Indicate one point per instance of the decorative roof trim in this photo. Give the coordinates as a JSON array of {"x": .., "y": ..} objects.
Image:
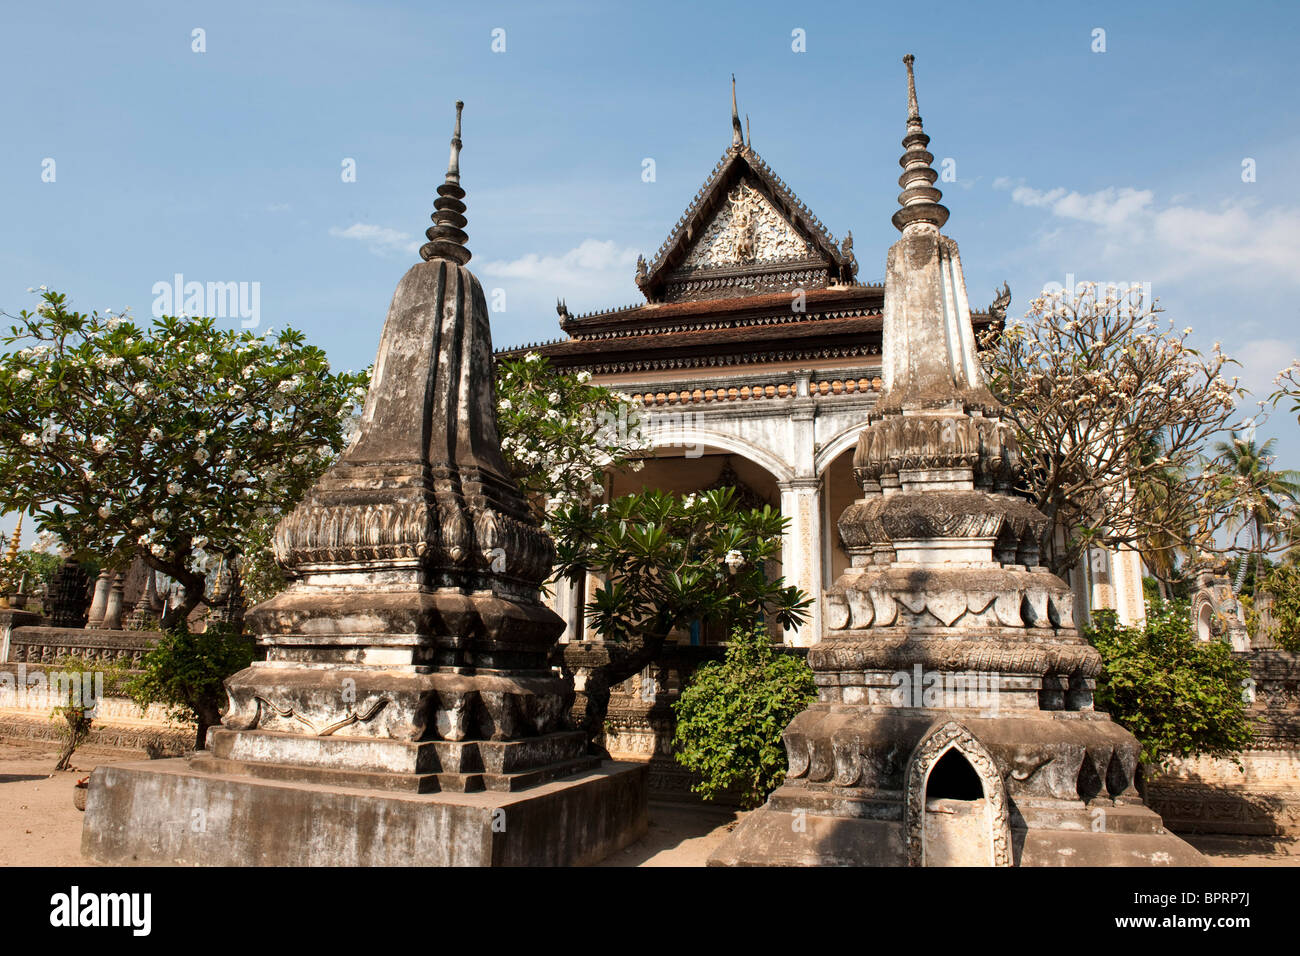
[{"x": 733, "y": 165}]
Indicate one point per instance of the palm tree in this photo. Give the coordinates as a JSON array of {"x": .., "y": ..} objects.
[
  {"x": 1166, "y": 525},
  {"x": 1261, "y": 502}
]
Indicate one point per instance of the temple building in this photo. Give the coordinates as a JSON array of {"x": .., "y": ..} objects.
[{"x": 756, "y": 355}]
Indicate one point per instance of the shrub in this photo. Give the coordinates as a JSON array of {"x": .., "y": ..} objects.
[
  {"x": 186, "y": 672},
  {"x": 731, "y": 716},
  {"x": 77, "y": 686},
  {"x": 1178, "y": 696},
  {"x": 1283, "y": 583}
]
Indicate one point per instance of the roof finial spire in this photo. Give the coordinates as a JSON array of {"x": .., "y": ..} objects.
[
  {"x": 453, "y": 164},
  {"x": 447, "y": 235},
  {"x": 919, "y": 198},
  {"x": 737, "y": 140},
  {"x": 913, "y": 111},
  {"x": 748, "y": 142}
]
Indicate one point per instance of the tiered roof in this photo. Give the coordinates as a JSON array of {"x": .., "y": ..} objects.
[{"x": 747, "y": 275}]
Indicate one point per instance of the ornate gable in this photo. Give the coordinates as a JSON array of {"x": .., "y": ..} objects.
[
  {"x": 745, "y": 233},
  {"x": 747, "y": 228}
]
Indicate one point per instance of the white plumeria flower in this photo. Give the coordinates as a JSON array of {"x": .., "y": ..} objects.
[
  {"x": 105, "y": 511},
  {"x": 173, "y": 488},
  {"x": 24, "y": 375},
  {"x": 31, "y": 440},
  {"x": 201, "y": 456},
  {"x": 155, "y": 434}
]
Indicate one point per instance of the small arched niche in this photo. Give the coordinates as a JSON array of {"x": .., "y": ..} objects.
[
  {"x": 956, "y": 803},
  {"x": 1205, "y": 622}
]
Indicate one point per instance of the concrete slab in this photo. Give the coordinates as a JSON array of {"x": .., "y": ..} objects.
[{"x": 164, "y": 812}]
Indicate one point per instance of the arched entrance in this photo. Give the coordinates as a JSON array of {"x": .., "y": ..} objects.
[
  {"x": 696, "y": 468},
  {"x": 838, "y": 491}
]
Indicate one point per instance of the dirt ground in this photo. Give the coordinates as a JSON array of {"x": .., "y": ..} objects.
[{"x": 39, "y": 826}]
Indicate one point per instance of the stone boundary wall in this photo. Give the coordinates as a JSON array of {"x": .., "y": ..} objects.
[
  {"x": 1262, "y": 796},
  {"x": 118, "y": 725}
]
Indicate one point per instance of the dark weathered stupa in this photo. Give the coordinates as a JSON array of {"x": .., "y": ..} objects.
[
  {"x": 954, "y": 721},
  {"x": 405, "y": 712}
]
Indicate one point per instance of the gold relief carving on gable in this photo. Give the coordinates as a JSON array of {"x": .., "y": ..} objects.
[{"x": 747, "y": 229}]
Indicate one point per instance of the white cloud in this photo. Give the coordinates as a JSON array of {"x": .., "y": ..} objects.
[
  {"x": 1234, "y": 234},
  {"x": 1179, "y": 239},
  {"x": 380, "y": 240},
  {"x": 1106, "y": 207},
  {"x": 592, "y": 262},
  {"x": 1261, "y": 360}
]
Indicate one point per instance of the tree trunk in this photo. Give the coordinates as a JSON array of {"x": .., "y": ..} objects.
[
  {"x": 78, "y": 730},
  {"x": 206, "y": 714},
  {"x": 195, "y": 595},
  {"x": 194, "y": 587}
]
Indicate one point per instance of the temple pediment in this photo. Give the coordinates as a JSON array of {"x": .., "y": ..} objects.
[{"x": 745, "y": 233}]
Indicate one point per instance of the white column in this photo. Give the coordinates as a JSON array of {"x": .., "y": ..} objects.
[
  {"x": 566, "y": 601},
  {"x": 1126, "y": 576},
  {"x": 801, "y": 549},
  {"x": 801, "y": 552}
]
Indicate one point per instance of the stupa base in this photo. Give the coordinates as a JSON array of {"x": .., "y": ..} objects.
[
  {"x": 179, "y": 812},
  {"x": 770, "y": 837},
  {"x": 931, "y": 787}
]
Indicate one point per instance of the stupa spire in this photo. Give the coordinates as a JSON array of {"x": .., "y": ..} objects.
[
  {"x": 447, "y": 235},
  {"x": 16, "y": 541},
  {"x": 920, "y": 198},
  {"x": 737, "y": 137}
]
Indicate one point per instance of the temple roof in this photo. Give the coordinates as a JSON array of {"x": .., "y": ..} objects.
[
  {"x": 747, "y": 275},
  {"x": 744, "y": 223}
]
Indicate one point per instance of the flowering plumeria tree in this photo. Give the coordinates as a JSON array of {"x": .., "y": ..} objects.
[
  {"x": 561, "y": 434},
  {"x": 1288, "y": 389},
  {"x": 169, "y": 441},
  {"x": 1115, "y": 410}
]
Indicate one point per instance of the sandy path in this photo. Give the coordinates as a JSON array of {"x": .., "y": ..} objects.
[{"x": 39, "y": 826}]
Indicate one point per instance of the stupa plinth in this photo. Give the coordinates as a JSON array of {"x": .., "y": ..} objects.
[
  {"x": 954, "y": 723},
  {"x": 405, "y": 712}
]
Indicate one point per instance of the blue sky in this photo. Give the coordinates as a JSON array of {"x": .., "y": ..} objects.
[{"x": 225, "y": 165}]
